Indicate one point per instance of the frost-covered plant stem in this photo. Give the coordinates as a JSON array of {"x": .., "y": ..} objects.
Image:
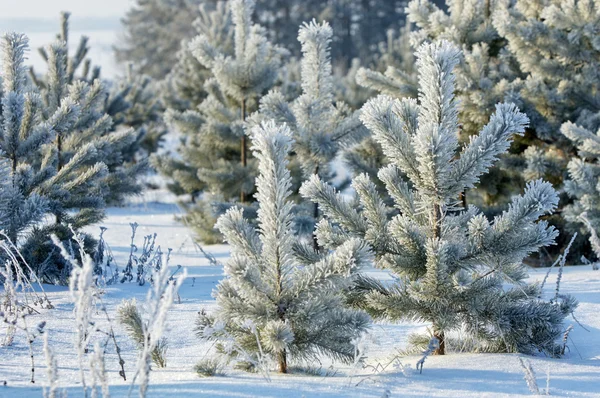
[
  {"x": 111, "y": 336},
  {"x": 82, "y": 288},
  {"x": 158, "y": 300},
  {"x": 51, "y": 370},
  {"x": 98, "y": 370},
  {"x": 529, "y": 376},
  {"x": 561, "y": 267},
  {"x": 432, "y": 348}
]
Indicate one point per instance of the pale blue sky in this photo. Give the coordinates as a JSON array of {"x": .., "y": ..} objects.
[{"x": 50, "y": 8}]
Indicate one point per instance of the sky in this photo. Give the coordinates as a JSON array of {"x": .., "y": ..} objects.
[
  {"x": 50, "y": 8},
  {"x": 97, "y": 19}
]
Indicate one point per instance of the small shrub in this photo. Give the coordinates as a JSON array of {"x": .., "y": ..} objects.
[{"x": 209, "y": 367}]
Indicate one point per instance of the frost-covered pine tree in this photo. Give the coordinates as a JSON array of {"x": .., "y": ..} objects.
[
  {"x": 154, "y": 30},
  {"x": 456, "y": 268},
  {"x": 280, "y": 298},
  {"x": 555, "y": 44},
  {"x": 80, "y": 166},
  {"x": 213, "y": 165},
  {"x": 321, "y": 127},
  {"x": 483, "y": 79},
  {"x": 23, "y": 132},
  {"x": 127, "y": 104},
  {"x": 583, "y": 184},
  {"x": 184, "y": 86},
  {"x": 83, "y": 153}
]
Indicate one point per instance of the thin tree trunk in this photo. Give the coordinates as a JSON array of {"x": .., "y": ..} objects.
[
  {"x": 440, "y": 336},
  {"x": 282, "y": 356},
  {"x": 437, "y": 217},
  {"x": 59, "y": 166},
  {"x": 463, "y": 199},
  {"x": 316, "y": 217},
  {"x": 244, "y": 149},
  {"x": 283, "y": 368},
  {"x": 437, "y": 232}
]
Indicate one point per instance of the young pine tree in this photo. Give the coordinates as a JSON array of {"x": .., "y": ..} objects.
[
  {"x": 83, "y": 165},
  {"x": 22, "y": 134},
  {"x": 184, "y": 85},
  {"x": 555, "y": 44},
  {"x": 154, "y": 30},
  {"x": 584, "y": 182},
  {"x": 116, "y": 111},
  {"x": 321, "y": 127},
  {"x": 214, "y": 150},
  {"x": 456, "y": 268},
  {"x": 280, "y": 297}
]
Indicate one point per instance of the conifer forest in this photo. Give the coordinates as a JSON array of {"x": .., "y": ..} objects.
[{"x": 299, "y": 198}]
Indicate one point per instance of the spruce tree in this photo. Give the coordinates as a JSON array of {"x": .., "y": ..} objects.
[
  {"x": 322, "y": 127},
  {"x": 456, "y": 269},
  {"x": 280, "y": 298},
  {"x": 214, "y": 165},
  {"x": 584, "y": 182}
]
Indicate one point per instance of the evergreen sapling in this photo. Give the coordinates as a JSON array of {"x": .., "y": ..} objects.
[
  {"x": 322, "y": 128},
  {"x": 452, "y": 263},
  {"x": 583, "y": 183},
  {"x": 215, "y": 167},
  {"x": 276, "y": 282}
]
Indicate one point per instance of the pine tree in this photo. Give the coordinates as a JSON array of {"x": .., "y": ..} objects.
[
  {"x": 214, "y": 159},
  {"x": 129, "y": 104},
  {"x": 584, "y": 182},
  {"x": 134, "y": 102},
  {"x": 22, "y": 133},
  {"x": 154, "y": 30},
  {"x": 184, "y": 84},
  {"x": 82, "y": 166},
  {"x": 281, "y": 298},
  {"x": 86, "y": 156},
  {"x": 555, "y": 44},
  {"x": 322, "y": 128},
  {"x": 484, "y": 78},
  {"x": 452, "y": 262}
]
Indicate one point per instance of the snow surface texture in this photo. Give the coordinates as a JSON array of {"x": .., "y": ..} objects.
[{"x": 453, "y": 375}]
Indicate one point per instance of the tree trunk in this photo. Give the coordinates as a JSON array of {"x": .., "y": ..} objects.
[
  {"x": 437, "y": 218},
  {"x": 244, "y": 149},
  {"x": 440, "y": 336},
  {"x": 283, "y": 368},
  {"x": 59, "y": 166},
  {"x": 463, "y": 199},
  {"x": 437, "y": 232},
  {"x": 316, "y": 217}
]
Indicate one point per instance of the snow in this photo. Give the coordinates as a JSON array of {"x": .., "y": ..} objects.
[{"x": 454, "y": 375}]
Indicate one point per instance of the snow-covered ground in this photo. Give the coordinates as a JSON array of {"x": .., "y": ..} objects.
[{"x": 454, "y": 375}]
